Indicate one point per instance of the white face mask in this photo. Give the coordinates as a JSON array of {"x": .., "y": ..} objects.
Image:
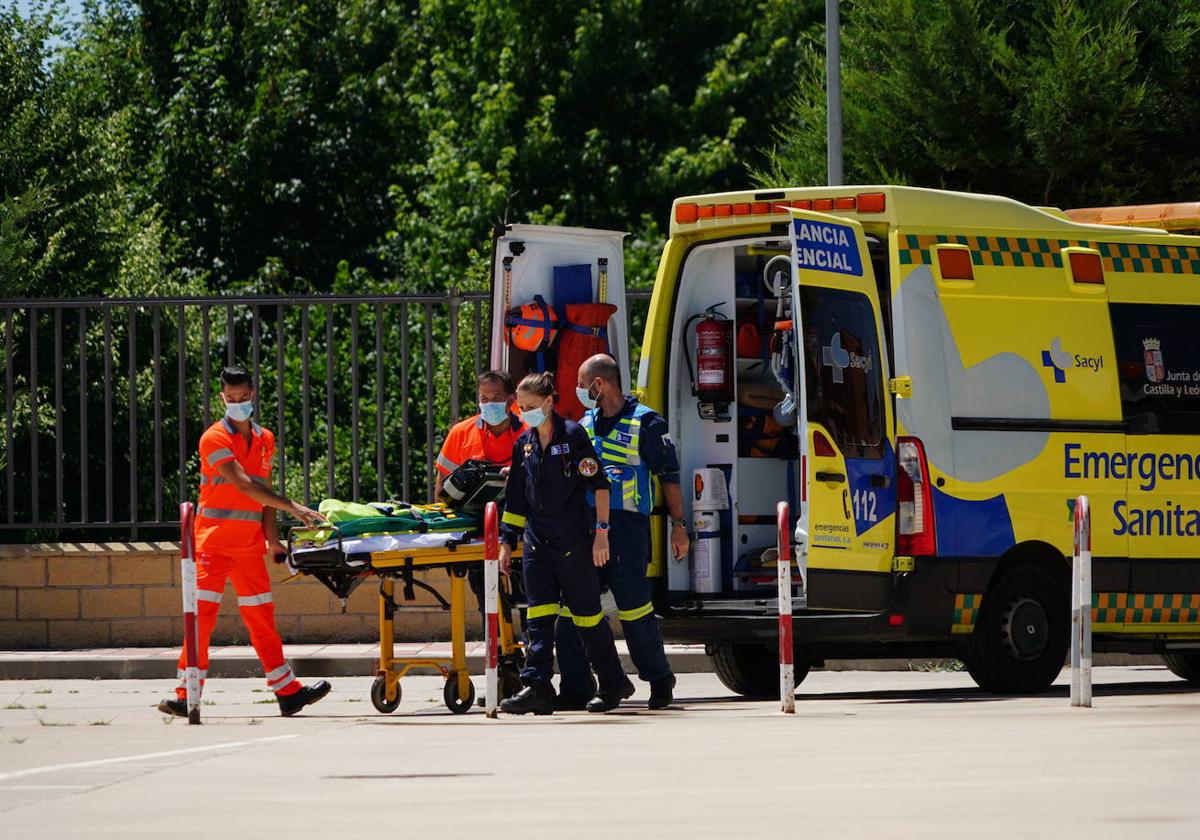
[
  {"x": 585, "y": 397},
  {"x": 239, "y": 410}
]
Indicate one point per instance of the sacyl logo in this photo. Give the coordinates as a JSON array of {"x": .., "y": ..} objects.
[
  {"x": 1061, "y": 361},
  {"x": 838, "y": 358}
]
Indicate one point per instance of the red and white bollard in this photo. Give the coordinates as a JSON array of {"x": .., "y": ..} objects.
[
  {"x": 491, "y": 597},
  {"x": 787, "y": 670},
  {"x": 187, "y": 567},
  {"x": 1081, "y": 606}
]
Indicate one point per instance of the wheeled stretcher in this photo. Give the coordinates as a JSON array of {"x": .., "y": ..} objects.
[{"x": 343, "y": 563}]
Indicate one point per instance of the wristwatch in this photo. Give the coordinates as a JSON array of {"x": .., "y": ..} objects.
[
  {"x": 681, "y": 522},
  {"x": 602, "y": 525}
]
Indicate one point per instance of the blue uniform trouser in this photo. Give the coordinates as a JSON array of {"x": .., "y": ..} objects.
[
  {"x": 629, "y": 555},
  {"x": 556, "y": 575}
]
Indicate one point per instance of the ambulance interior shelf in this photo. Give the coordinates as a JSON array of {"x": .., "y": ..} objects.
[{"x": 733, "y": 541}]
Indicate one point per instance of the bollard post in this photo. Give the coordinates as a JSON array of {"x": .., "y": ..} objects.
[
  {"x": 491, "y": 585},
  {"x": 187, "y": 567},
  {"x": 787, "y": 671},
  {"x": 1081, "y": 606}
]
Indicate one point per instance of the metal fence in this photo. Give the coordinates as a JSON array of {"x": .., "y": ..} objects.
[{"x": 106, "y": 399}]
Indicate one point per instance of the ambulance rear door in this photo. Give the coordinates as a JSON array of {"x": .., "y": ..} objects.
[
  {"x": 850, "y": 453},
  {"x": 562, "y": 266}
]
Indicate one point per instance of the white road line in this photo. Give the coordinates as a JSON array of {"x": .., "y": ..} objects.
[
  {"x": 80, "y": 765},
  {"x": 46, "y": 787}
]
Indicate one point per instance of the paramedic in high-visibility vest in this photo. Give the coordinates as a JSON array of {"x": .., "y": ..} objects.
[
  {"x": 235, "y": 529},
  {"x": 632, "y": 443},
  {"x": 487, "y": 436}
]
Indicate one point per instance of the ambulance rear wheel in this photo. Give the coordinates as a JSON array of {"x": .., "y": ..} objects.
[
  {"x": 1186, "y": 666},
  {"x": 751, "y": 670},
  {"x": 379, "y": 697},
  {"x": 1021, "y": 640},
  {"x": 450, "y": 695}
]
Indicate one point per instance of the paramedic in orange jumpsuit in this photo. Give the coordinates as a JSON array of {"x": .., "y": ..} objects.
[
  {"x": 487, "y": 436},
  {"x": 235, "y": 528}
]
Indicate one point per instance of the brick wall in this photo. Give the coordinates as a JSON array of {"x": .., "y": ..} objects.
[{"x": 83, "y": 595}]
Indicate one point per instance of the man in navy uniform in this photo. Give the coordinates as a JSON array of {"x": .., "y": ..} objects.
[{"x": 632, "y": 443}]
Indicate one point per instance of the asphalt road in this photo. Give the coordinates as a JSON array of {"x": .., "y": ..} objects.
[{"x": 878, "y": 755}]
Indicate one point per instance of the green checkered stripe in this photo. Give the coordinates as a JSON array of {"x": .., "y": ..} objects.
[
  {"x": 1022, "y": 252},
  {"x": 1152, "y": 608},
  {"x": 966, "y": 610}
]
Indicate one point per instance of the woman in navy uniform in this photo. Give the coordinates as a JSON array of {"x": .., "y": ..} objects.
[{"x": 566, "y": 543}]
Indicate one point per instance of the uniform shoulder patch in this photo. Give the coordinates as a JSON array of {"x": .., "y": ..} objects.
[{"x": 588, "y": 467}]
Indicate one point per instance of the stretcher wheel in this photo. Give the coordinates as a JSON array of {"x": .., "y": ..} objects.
[
  {"x": 450, "y": 695},
  {"x": 379, "y": 697},
  {"x": 510, "y": 679}
]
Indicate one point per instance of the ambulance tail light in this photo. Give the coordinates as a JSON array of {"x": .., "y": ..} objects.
[
  {"x": 822, "y": 448},
  {"x": 916, "y": 535}
]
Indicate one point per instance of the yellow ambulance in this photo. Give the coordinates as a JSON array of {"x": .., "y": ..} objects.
[{"x": 969, "y": 366}]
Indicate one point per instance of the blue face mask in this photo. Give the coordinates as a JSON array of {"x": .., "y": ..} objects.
[
  {"x": 534, "y": 417},
  {"x": 493, "y": 413},
  {"x": 239, "y": 411},
  {"x": 585, "y": 397}
]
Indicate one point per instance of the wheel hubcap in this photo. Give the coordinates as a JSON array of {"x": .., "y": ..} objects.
[{"x": 1026, "y": 629}]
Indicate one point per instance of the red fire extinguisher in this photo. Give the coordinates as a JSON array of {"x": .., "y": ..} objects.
[{"x": 712, "y": 378}]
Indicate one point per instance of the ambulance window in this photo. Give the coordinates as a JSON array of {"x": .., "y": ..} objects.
[
  {"x": 1158, "y": 364},
  {"x": 845, "y": 391}
]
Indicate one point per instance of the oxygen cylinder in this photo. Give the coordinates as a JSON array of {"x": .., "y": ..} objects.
[{"x": 710, "y": 496}]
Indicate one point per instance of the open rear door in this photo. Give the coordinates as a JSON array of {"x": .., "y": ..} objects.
[
  {"x": 571, "y": 270},
  {"x": 845, "y": 420}
]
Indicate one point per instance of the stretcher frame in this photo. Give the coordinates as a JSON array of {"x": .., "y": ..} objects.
[{"x": 456, "y": 557}]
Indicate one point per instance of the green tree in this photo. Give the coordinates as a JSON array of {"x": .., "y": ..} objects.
[{"x": 1069, "y": 102}]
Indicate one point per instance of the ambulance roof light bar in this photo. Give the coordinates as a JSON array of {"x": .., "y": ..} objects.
[
  {"x": 687, "y": 213},
  {"x": 1180, "y": 216}
]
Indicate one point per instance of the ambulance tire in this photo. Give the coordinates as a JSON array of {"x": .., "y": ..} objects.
[
  {"x": 751, "y": 670},
  {"x": 378, "y": 698},
  {"x": 1186, "y": 666},
  {"x": 1021, "y": 640}
]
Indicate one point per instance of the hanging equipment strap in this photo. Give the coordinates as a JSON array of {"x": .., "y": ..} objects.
[{"x": 603, "y": 281}]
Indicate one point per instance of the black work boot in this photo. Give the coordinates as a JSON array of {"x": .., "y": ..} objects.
[
  {"x": 535, "y": 697},
  {"x": 606, "y": 701},
  {"x": 662, "y": 692},
  {"x": 306, "y": 696},
  {"x": 173, "y": 706}
]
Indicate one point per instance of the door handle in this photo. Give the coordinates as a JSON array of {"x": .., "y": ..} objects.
[
  {"x": 827, "y": 475},
  {"x": 880, "y": 481}
]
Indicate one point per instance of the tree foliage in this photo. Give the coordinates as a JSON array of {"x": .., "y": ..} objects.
[{"x": 1072, "y": 103}]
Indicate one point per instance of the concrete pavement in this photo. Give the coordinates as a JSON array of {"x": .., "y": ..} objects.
[{"x": 876, "y": 755}]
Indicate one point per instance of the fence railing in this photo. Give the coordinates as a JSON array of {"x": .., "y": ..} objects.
[{"x": 106, "y": 399}]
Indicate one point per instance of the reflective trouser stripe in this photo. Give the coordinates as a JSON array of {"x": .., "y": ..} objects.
[
  {"x": 182, "y": 674},
  {"x": 565, "y": 613},
  {"x": 636, "y": 613},
  {"x": 446, "y": 464},
  {"x": 291, "y": 678},
  {"x": 276, "y": 673},
  {"x": 255, "y": 600},
  {"x": 587, "y": 620},
  {"x": 514, "y": 519},
  {"x": 219, "y": 455},
  {"x": 229, "y": 513},
  {"x": 541, "y": 611},
  {"x": 209, "y": 595}
]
